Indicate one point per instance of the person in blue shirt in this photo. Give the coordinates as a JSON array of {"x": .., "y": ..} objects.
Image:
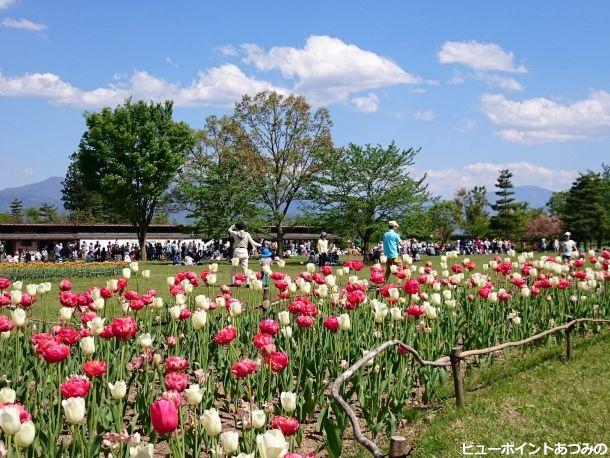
[
  {"x": 266, "y": 260},
  {"x": 391, "y": 244}
]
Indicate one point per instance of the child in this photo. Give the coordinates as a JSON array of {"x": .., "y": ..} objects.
[{"x": 266, "y": 260}]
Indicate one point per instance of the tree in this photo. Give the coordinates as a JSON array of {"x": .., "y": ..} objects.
[
  {"x": 48, "y": 212},
  {"x": 216, "y": 185},
  {"x": 130, "y": 155},
  {"x": 505, "y": 206},
  {"x": 585, "y": 212},
  {"x": 542, "y": 225},
  {"x": 285, "y": 142},
  {"x": 469, "y": 210},
  {"x": 365, "y": 186},
  {"x": 32, "y": 214},
  {"x": 442, "y": 220},
  {"x": 16, "y": 207},
  {"x": 557, "y": 204}
]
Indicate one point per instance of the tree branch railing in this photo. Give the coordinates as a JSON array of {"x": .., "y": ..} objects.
[{"x": 398, "y": 443}]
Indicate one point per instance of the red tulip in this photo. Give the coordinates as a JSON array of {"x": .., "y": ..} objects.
[
  {"x": 176, "y": 364},
  {"x": 304, "y": 321},
  {"x": 225, "y": 335},
  {"x": 5, "y": 323},
  {"x": 164, "y": 416},
  {"x": 411, "y": 286},
  {"x": 176, "y": 381},
  {"x": 277, "y": 361},
  {"x": 415, "y": 311},
  {"x": 262, "y": 340},
  {"x": 271, "y": 327},
  {"x": 242, "y": 368},
  {"x": 55, "y": 352},
  {"x": 75, "y": 387},
  {"x": 124, "y": 328},
  {"x": 331, "y": 323},
  {"x": 288, "y": 426},
  {"x": 95, "y": 368},
  {"x": 69, "y": 336},
  {"x": 65, "y": 285},
  {"x": 4, "y": 283}
]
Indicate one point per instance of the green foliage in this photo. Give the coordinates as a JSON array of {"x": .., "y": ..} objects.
[
  {"x": 365, "y": 186},
  {"x": 469, "y": 210},
  {"x": 586, "y": 208},
  {"x": 216, "y": 184},
  {"x": 48, "y": 213},
  {"x": 16, "y": 209},
  {"x": 442, "y": 220},
  {"x": 32, "y": 215},
  {"x": 130, "y": 156},
  {"x": 505, "y": 221},
  {"x": 285, "y": 143}
]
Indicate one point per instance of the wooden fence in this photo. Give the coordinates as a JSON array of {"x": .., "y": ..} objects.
[{"x": 398, "y": 444}]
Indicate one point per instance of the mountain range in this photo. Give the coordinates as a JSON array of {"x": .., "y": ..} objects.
[{"x": 49, "y": 190}]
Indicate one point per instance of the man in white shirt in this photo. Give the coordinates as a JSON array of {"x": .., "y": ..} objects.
[
  {"x": 322, "y": 249},
  {"x": 241, "y": 240},
  {"x": 568, "y": 247}
]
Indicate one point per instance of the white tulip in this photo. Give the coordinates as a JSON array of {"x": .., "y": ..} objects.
[
  {"x": 127, "y": 273},
  {"x": 142, "y": 451},
  {"x": 113, "y": 284},
  {"x": 134, "y": 266},
  {"x": 220, "y": 302},
  {"x": 235, "y": 308},
  {"x": 9, "y": 420},
  {"x": 96, "y": 325},
  {"x": 31, "y": 289},
  {"x": 157, "y": 302},
  {"x": 211, "y": 279},
  {"x": 16, "y": 296},
  {"x": 87, "y": 345},
  {"x": 229, "y": 441},
  {"x": 18, "y": 285},
  {"x": 181, "y": 299},
  {"x": 211, "y": 422},
  {"x": 213, "y": 267},
  {"x": 259, "y": 418},
  {"x": 199, "y": 319},
  {"x": 146, "y": 273},
  {"x": 194, "y": 394},
  {"x": 174, "y": 311},
  {"x": 235, "y": 262},
  {"x": 19, "y": 318},
  {"x": 145, "y": 340},
  {"x": 99, "y": 304},
  {"x": 396, "y": 314},
  {"x": 118, "y": 390},
  {"x": 74, "y": 410},
  {"x": 7, "y": 395},
  {"x": 170, "y": 281},
  {"x": 286, "y": 331},
  {"x": 345, "y": 324},
  {"x": 65, "y": 313},
  {"x": 26, "y": 434},
  {"x": 289, "y": 401}
]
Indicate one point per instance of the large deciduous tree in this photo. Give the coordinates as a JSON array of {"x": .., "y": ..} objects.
[
  {"x": 365, "y": 186},
  {"x": 285, "y": 141},
  {"x": 216, "y": 184},
  {"x": 130, "y": 155}
]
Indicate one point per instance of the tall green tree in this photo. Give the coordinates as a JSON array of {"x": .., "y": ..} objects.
[
  {"x": 504, "y": 221},
  {"x": 586, "y": 208},
  {"x": 48, "y": 212},
  {"x": 469, "y": 210},
  {"x": 216, "y": 185},
  {"x": 442, "y": 220},
  {"x": 557, "y": 204},
  {"x": 285, "y": 142},
  {"x": 365, "y": 186},
  {"x": 16, "y": 208},
  {"x": 32, "y": 215},
  {"x": 130, "y": 155}
]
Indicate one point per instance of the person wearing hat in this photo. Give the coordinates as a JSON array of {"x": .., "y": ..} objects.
[
  {"x": 568, "y": 246},
  {"x": 391, "y": 244},
  {"x": 241, "y": 241},
  {"x": 322, "y": 249}
]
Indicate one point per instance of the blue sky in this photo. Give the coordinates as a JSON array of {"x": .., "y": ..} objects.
[{"x": 477, "y": 85}]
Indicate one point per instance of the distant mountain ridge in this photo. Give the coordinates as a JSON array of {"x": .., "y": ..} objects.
[
  {"x": 35, "y": 194},
  {"x": 49, "y": 190}
]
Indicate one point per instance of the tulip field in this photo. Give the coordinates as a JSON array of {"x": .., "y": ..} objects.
[{"x": 176, "y": 362}]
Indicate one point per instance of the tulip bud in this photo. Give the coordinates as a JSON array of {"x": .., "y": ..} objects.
[
  {"x": 16, "y": 296},
  {"x": 146, "y": 274},
  {"x": 74, "y": 409},
  {"x": 145, "y": 340},
  {"x": 31, "y": 289},
  {"x": 220, "y": 301},
  {"x": 211, "y": 422},
  {"x": 345, "y": 323},
  {"x": 272, "y": 443},
  {"x": 286, "y": 331},
  {"x": 99, "y": 304},
  {"x": 284, "y": 318},
  {"x": 7, "y": 395},
  {"x": 194, "y": 394},
  {"x": 235, "y": 309},
  {"x": 9, "y": 420},
  {"x": 18, "y": 285},
  {"x": 174, "y": 311},
  {"x": 259, "y": 418},
  {"x": 289, "y": 401},
  {"x": 170, "y": 281},
  {"x": 96, "y": 325},
  {"x": 211, "y": 279},
  {"x": 396, "y": 314},
  {"x": 235, "y": 262},
  {"x": 26, "y": 434},
  {"x": 127, "y": 273},
  {"x": 118, "y": 390},
  {"x": 87, "y": 345}
]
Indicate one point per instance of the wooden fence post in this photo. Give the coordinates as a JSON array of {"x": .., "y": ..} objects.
[
  {"x": 569, "y": 345},
  {"x": 398, "y": 447},
  {"x": 458, "y": 385}
]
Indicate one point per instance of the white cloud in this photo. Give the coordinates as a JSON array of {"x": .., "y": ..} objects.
[
  {"x": 502, "y": 82},
  {"x": 445, "y": 182},
  {"x": 228, "y": 50},
  {"x": 479, "y": 56},
  {"x": 4, "y": 4},
  {"x": 329, "y": 70},
  {"x": 464, "y": 126},
  {"x": 169, "y": 61},
  {"x": 424, "y": 115},
  {"x": 418, "y": 90},
  {"x": 23, "y": 24},
  {"x": 540, "y": 120},
  {"x": 366, "y": 104},
  {"x": 220, "y": 86}
]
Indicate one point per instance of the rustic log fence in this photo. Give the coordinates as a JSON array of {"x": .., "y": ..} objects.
[{"x": 398, "y": 444}]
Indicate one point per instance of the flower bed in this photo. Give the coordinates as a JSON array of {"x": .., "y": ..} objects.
[
  {"x": 49, "y": 270},
  {"x": 200, "y": 367}
]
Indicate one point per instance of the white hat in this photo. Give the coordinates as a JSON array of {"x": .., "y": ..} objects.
[
  {"x": 392, "y": 223},
  {"x": 568, "y": 234}
]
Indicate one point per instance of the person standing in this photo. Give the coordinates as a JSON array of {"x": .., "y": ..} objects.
[
  {"x": 322, "y": 249},
  {"x": 568, "y": 246},
  {"x": 391, "y": 245},
  {"x": 241, "y": 240}
]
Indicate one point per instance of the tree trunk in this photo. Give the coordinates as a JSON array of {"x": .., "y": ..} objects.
[
  {"x": 280, "y": 240},
  {"x": 365, "y": 247},
  {"x": 142, "y": 243}
]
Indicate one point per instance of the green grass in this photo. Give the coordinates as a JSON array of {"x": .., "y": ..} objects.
[{"x": 532, "y": 397}]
